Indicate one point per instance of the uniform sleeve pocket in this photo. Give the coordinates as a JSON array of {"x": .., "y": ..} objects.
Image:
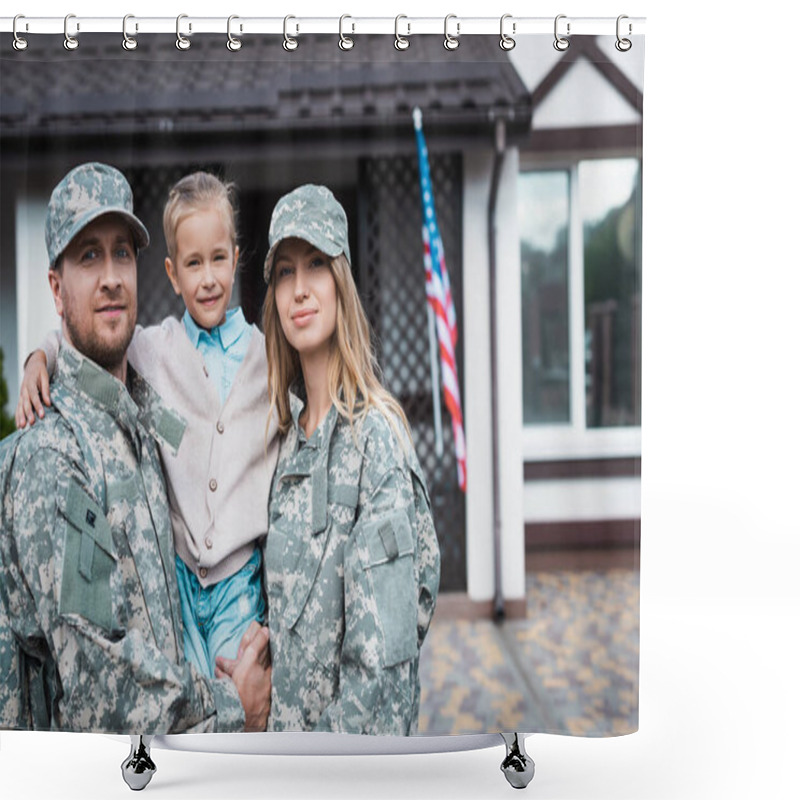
[
  {"x": 389, "y": 559},
  {"x": 88, "y": 560}
]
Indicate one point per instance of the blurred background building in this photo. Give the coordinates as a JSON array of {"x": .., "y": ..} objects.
[{"x": 536, "y": 162}]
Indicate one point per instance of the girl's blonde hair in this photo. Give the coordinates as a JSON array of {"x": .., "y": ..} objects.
[
  {"x": 354, "y": 385},
  {"x": 198, "y": 190}
]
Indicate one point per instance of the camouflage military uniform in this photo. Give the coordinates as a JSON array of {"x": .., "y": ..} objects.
[
  {"x": 350, "y": 590},
  {"x": 91, "y": 597}
]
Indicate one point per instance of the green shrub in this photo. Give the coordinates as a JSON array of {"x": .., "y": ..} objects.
[{"x": 6, "y": 420}]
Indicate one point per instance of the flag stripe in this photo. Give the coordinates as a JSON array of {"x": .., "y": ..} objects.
[{"x": 440, "y": 299}]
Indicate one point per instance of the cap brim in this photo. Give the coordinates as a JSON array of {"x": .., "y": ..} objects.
[
  {"x": 331, "y": 249},
  {"x": 141, "y": 238}
]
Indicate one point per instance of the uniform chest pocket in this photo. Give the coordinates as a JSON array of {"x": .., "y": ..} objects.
[
  {"x": 388, "y": 559},
  {"x": 303, "y": 551},
  {"x": 281, "y": 552},
  {"x": 89, "y": 560}
]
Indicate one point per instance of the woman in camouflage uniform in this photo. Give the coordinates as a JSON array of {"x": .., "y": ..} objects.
[{"x": 351, "y": 576}]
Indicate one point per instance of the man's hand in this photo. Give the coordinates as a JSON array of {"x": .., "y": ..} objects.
[
  {"x": 252, "y": 675},
  {"x": 249, "y": 636},
  {"x": 34, "y": 390}
]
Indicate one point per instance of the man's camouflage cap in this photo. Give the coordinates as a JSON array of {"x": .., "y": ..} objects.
[
  {"x": 84, "y": 194},
  {"x": 311, "y": 213}
]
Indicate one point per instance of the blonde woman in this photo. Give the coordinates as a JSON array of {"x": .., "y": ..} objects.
[{"x": 351, "y": 575}]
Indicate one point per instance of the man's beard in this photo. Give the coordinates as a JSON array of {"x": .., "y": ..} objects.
[{"x": 107, "y": 352}]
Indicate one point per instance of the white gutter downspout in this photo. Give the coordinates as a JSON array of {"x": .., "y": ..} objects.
[{"x": 497, "y": 168}]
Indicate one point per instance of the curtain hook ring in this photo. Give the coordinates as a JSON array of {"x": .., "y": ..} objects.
[
  {"x": 561, "y": 43},
  {"x": 19, "y": 42},
  {"x": 128, "y": 42},
  {"x": 400, "y": 42},
  {"x": 182, "y": 43},
  {"x": 70, "y": 42},
  {"x": 345, "y": 42},
  {"x": 507, "y": 42},
  {"x": 233, "y": 44},
  {"x": 451, "y": 42},
  {"x": 623, "y": 45},
  {"x": 289, "y": 43}
]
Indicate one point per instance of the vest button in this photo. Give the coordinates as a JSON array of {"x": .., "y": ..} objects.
[
  {"x": 220, "y": 427},
  {"x": 212, "y": 484},
  {"x": 209, "y": 543},
  {"x": 203, "y": 572}
]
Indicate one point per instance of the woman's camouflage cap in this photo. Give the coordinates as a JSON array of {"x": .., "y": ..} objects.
[
  {"x": 84, "y": 194},
  {"x": 310, "y": 213}
]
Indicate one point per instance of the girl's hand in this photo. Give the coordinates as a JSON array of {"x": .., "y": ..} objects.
[{"x": 35, "y": 390}]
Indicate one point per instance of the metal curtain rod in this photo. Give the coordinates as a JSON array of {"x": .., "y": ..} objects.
[{"x": 75, "y": 25}]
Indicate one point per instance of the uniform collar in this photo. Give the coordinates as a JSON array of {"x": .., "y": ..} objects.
[
  {"x": 225, "y": 335},
  {"x": 322, "y": 435},
  {"x": 130, "y": 406},
  {"x": 297, "y": 401},
  {"x": 309, "y": 457},
  {"x": 82, "y": 376}
]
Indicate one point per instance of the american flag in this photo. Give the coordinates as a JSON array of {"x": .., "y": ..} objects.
[{"x": 437, "y": 289}]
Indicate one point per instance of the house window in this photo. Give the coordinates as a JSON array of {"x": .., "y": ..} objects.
[
  {"x": 544, "y": 225},
  {"x": 580, "y": 253}
]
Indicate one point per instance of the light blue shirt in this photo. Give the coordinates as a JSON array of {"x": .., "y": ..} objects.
[{"x": 223, "y": 348}]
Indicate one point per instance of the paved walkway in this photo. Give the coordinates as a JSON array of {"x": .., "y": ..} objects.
[{"x": 570, "y": 667}]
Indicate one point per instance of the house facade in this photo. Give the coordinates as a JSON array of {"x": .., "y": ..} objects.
[{"x": 579, "y": 199}]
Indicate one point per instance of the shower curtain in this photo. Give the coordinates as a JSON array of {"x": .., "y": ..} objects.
[{"x": 517, "y": 360}]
